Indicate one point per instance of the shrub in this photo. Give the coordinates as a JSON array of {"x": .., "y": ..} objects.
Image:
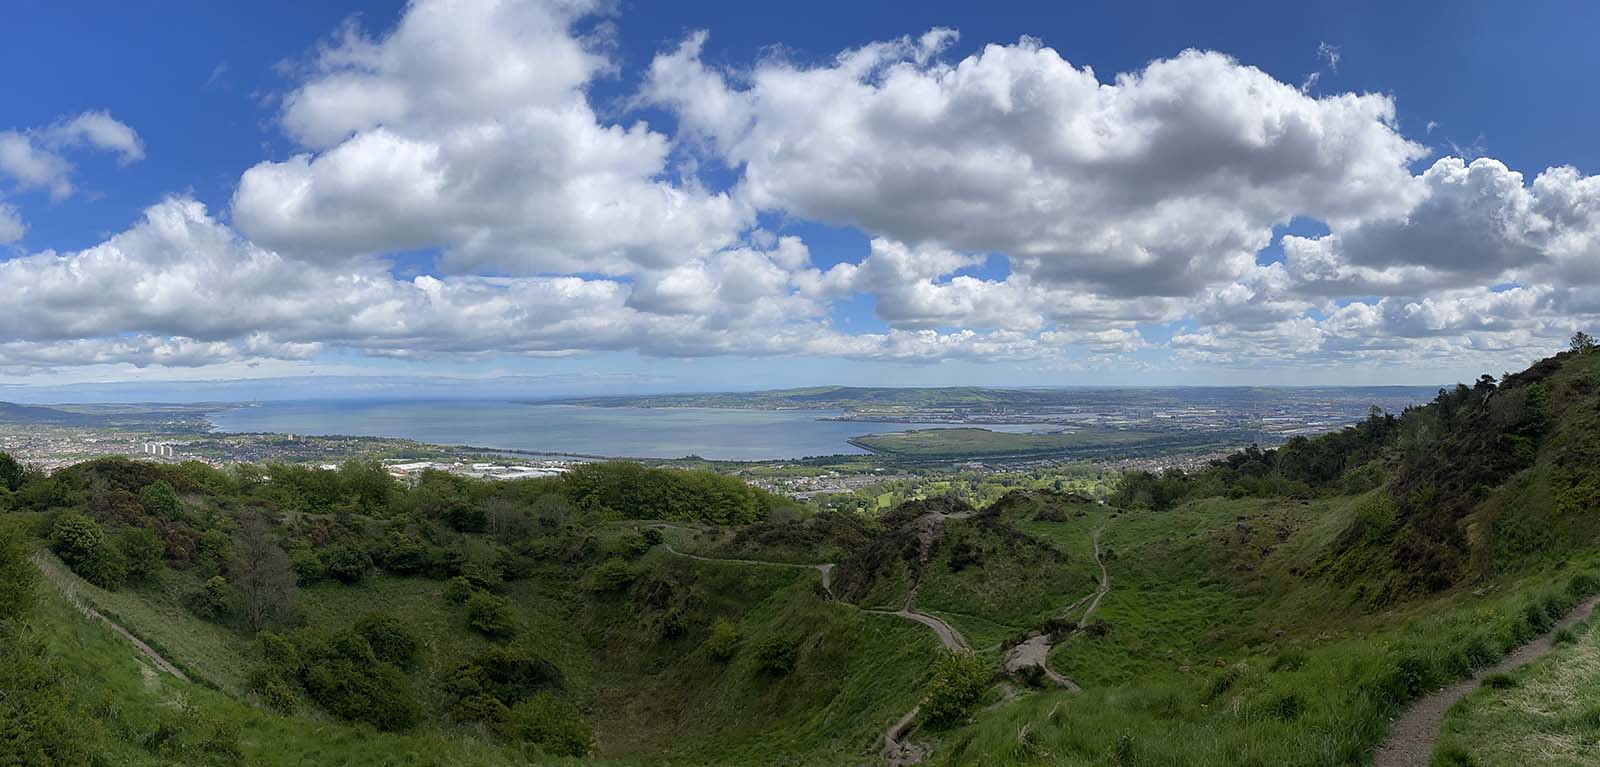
[
  {"x": 724, "y": 640},
  {"x": 632, "y": 546},
  {"x": 777, "y": 655},
  {"x": 490, "y": 615},
  {"x": 19, "y": 579},
  {"x": 404, "y": 555},
  {"x": 307, "y": 566},
  {"x": 673, "y": 624},
  {"x": 612, "y": 575},
  {"x": 160, "y": 500},
  {"x": 142, "y": 550},
  {"x": 959, "y": 679},
  {"x": 274, "y": 691},
  {"x": 391, "y": 641},
  {"x": 458, "y": 589},
  {"x": 213, "y": 601},
  {"x": 11, "y": 473},
  {"x": 550, "y": 723},
  {"x": 346, "y": 564},
  {"x": 80, "y": 543},
  {"x": 377, "y": 694},
  {"x": 652, "y": 536}
]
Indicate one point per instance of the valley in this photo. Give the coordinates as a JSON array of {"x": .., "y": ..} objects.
[{"x": 1279, "y": 607}]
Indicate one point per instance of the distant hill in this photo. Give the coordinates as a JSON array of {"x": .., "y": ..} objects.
[
  {"x": 886, "y": 398},
  {"x": 13, "y": 413}
]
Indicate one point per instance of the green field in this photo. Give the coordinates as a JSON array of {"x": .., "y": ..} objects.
[{"x": 974, "y": 443}]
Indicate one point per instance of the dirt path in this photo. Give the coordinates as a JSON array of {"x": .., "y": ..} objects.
[
  {"x": 63, "y": 583},
  {"x": 1036, "y": 650},
  {"x": 825, "y": 568},
  {"x": 930, "y": 527},
  {"x": 1413, "y": 735},
  {"x": 1105, "y": 583}
]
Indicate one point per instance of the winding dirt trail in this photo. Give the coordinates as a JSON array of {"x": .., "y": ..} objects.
[
  {"x": 930, "y": 527},
  {"x": 826, "y": 568},
  {"x": 1412, "y": 738},
  {"x": 63, "y": 583},
  {"x": 1105, "y": 582},
  {"x": 1036, "y": 650}
]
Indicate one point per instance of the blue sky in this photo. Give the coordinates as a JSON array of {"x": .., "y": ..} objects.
[{"x": 207, "y": 89}]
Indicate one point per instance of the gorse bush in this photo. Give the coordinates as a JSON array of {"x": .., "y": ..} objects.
[
  {"x": 724, "y": 640},
  {"x": 391, "y": 641},
  {"x": 777, "y": 655},
  {"x": 958, "y": 682},
  {"x": 490, "y": 615},
  {"x": 84, "y": 547},
  {"x": 550, "y": 723}
]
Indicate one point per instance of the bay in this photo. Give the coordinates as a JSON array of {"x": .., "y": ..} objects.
[{"x": 633, "y": 432}]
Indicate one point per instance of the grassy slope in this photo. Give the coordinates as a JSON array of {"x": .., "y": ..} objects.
[
  {"x": 661, "y": 700},
  {"x": 1550, "y": 715},
  {"x": 126, "y": 704}
]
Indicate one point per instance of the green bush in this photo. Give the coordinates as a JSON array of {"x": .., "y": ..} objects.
[
  {"x": 391, "y": 641},
  {"x": 142, "y": 550},
  {"x": 346, "y": 564},
  {"x": 80, "y": 543},
  {"x": 959, "y": 679},
  {"x": 307, "y": 566},
  {"x": 19, "y": 580},
  {"x": 551, "y": 724},
  {"x": 490, "y": 615},
  {"x": 458, "y": 589},
  {"x": 11, "y": 473},
  {"x": 160, "y": 500},
  {"x": 724, "y": 640},
  {"x": 612, "y": 575},
  {"x": 214, "y": 600},
  {"x": 777, "y": 656},
  {"x": 377, "y": 694}
]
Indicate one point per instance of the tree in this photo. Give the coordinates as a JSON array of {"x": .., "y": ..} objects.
[
  {"x": 143, "y": 551},
  {"x": 262, "y": 572},
  {"x": 1582, "y": 342},
  {"x": 80, "y": 543},
  {"x": 160, "y": 500},
  {"x": 11, "y": 472}
]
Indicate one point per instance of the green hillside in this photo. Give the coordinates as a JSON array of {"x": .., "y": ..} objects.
[{"x": 1279, "y": 607}]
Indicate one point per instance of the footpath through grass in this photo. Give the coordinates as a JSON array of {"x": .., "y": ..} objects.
[{"x": 1546, "y": 713}]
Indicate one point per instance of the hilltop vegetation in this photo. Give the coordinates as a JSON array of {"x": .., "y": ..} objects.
[{"x": 1278, "y": 607}]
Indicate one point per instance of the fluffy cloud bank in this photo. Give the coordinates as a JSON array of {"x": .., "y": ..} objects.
[{"x": 1018, "y": 206}]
